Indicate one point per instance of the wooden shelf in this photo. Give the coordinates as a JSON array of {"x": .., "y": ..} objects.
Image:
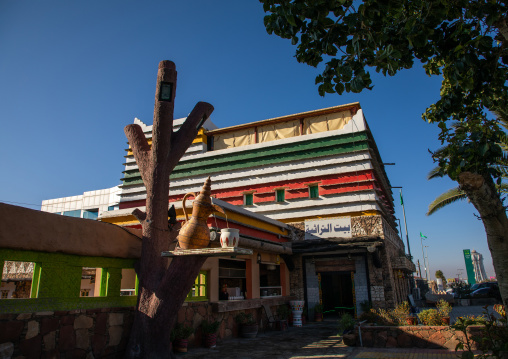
[{"x": 208, "y": 252}]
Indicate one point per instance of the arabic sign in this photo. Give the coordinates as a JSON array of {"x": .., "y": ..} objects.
[
  {"x": 328, "y": 228},
  {"x": 469, "y": 267}
]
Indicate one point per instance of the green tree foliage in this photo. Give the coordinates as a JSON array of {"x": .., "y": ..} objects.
[
  {"x": 460, "y": 40},
  {"x": 463, "y": 41},
  {"x": 439, "y": 274}
]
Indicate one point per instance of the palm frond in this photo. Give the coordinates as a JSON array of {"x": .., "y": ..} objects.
[
  {"x": 503, "y": 141},
  {"x": 503, "y": 188},
  {"x": 434, "y": 173},
  {"x": 444, "y": 199}
]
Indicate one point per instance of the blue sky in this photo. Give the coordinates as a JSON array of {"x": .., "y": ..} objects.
[{"x": 73, "y": 74}]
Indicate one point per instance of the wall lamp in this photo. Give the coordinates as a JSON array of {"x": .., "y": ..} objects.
[{"x": 259, "y": 258}]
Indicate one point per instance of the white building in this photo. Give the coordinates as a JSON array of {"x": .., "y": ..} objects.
[{"x": 89, "y": 205}]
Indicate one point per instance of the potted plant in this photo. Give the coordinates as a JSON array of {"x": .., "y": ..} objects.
[
  {"x": 248, "y": 325},
  {"x": 430, "y": 317},
  {"x": 346, "y": 323},
  {"x": 318, "y": 312},
  {"x": 210, "y": 333},
  {"x": 444, "y": 308},
  {"x": 180, "y": 337},
  {"x": 283, "y": 314},
  {"x": 402, "y": 313}
]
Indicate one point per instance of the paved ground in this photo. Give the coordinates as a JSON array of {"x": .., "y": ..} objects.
[{"x": 314, "y": 341}]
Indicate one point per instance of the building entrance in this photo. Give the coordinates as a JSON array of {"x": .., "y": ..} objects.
[{"x": 337, "y": 292}]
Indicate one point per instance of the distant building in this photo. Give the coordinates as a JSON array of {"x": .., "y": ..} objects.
[
  {"x": 89, "y": 205},
  {"x": 479, "y": 269}
]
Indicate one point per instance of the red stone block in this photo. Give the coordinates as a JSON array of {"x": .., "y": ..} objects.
[
  {"x": 404, "y": 341},
  {"x": 189, "y": 314},
  {"x": 10, "y": 331},
  {"x": 202, "y": 311},
  {"x": 49, "y": 325},
  {"x": 101, "y": 321},
  {"x": 68, "y": 320},
  {"x": 78, "y": 354},
  {"x": 51, "y": 354},
  {"x": 391, "y": 342},
  {"x": 367, "y": 339},
  {"x": 31, "y": 348},
  {"x": 98, "y": 344},
  {"x": 67, "y": 338},
  {"x": 62, "y": 313},
  {"x": 8, "y": 317}
]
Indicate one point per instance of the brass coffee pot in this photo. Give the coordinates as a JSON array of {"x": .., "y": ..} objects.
[{"x": 195, "y": 232}]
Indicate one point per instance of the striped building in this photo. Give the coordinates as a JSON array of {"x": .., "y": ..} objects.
[{"x": 320, "y": 175}]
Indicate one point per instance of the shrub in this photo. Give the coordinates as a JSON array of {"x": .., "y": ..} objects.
[
  {"x": 181, "y": 331},
  {"x": 318, "y": 308},
  {"x": 430, "y": 317},
  {"x": 444, "y": 308},
  {"x": 346, "y": 323},
  {"x": 246, "y": 319},
  {"x": 401, "y": 312},
  {"x": 371, "y": 316},
  {"x": 210, "y": 327}
]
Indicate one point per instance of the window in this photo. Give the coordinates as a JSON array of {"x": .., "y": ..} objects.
[
  {"x": 112, "y": 208},
  {"x": 5, "y": 293},
  {"x": 199, "y": 291},
  {"x": 91, "y": 213},
  {"x": 76, "y": 213},
  {"x": 248, "y": 199},
  {"x": 279, "y": 195},
  {"x": 85, "y": 292},
  {"x": 314, "y": 191}
]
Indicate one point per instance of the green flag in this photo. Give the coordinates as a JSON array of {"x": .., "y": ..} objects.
[
  {"x": 401, "y": 200},
  {"x": 422, "y": 236}
]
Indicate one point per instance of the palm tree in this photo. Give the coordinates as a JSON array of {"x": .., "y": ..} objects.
[{"x": 456, "y": 194}]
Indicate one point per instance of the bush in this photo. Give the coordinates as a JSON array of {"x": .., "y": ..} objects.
[
  {"x": 246, "y": 319},
  {"x": 430, "y": 317},
  {"x": 444, "y": 308},
  {"x": 346, "y": 323},
  {"x": 210, "y": 327},
  {"x": 401, "y": 312},
  {"x": 318, "y": 308},
  {"x": 181, "y": 331}
]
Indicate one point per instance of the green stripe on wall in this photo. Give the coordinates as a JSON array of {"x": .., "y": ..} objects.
[{"x": 261, "y": 157}]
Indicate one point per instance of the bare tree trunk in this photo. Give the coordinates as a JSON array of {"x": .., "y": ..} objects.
[
  {"x": 162, "y": 288},
  {"x": 482, "y": 193}
]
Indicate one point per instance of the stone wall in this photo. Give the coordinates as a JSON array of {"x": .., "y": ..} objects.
[
  {"x": 296, "y": 285},
  {"x": 91, "y": 333},
  {"x": 432, "y": 337},
  {"x": 366, "y": 226}
]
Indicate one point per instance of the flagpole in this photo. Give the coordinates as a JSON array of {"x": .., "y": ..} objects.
[
  {"x": 405, "y": 225},
  {"x": 423, "y": 253}
]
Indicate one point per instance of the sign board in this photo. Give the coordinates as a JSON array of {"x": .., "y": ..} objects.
[
  {"x": 328, "y": 228},
  {"x": 469, "y": 267}
]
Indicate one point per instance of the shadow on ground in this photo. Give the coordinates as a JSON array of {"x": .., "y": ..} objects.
[{"x": 314, "y": 340}]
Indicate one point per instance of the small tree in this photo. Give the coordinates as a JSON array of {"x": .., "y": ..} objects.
[
  {"x": 162, "y": 287},
  {"x": 439, "y": 274}
]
